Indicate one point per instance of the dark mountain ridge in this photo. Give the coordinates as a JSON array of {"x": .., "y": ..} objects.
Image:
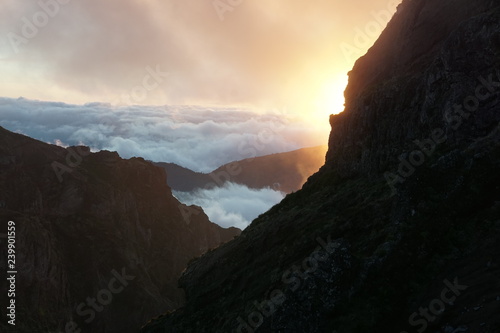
[
  {"x": 93, "y": 226},
  {"x": 399, "y": 230},
  {"x": 286, "y": 172}
]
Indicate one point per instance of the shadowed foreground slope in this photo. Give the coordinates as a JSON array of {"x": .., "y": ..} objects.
[{"x": 399, "y": 231}]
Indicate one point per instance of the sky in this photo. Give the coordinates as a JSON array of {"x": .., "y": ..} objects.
[{"x": 280, "y": 54}]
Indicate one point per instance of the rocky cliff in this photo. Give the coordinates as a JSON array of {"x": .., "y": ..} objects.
[
  {"x": 100, "y": 241},
  {"x": 399, "y": 230}
]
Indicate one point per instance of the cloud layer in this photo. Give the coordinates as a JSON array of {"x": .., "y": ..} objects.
[
  {"x": 199, "y": 138},
  {"x": 233, "y": 204}
]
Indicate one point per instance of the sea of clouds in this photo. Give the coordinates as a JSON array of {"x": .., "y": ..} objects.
[{"x": 198, "y": 138}]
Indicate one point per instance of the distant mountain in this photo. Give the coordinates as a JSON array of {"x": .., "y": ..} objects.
[
  {"x": 286, "y": 172},
  {"x": 399, "y": 231},
  {"x": 99, "y": 240},
  {"x": 184, "y": 179}
]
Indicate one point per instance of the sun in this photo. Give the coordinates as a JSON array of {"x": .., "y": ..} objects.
[
  {"x": 330, "y": 99},
  {"x": 323, "y": 97}
]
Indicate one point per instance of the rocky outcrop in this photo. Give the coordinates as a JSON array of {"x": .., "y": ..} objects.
[
  {"x": 92, "y": 227},
  {"x": 397, "y": 232}
]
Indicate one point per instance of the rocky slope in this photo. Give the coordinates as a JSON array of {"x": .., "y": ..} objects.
[
  {"x": 286, "y": 172},
  {"x": 399, "y": 231},
  {"x": 93, "y": 226}
]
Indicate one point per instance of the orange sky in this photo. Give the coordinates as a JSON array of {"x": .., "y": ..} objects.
[{"x": 281, "y": 54}]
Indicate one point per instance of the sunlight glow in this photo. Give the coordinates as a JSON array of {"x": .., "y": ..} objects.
[{"x": 330, "y": 98}]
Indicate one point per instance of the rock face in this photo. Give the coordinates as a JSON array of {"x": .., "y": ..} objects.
[
  {"x": 430, "y": 57},
  {"x": 286, "y": 172},
  {"x": 94, "y": 226},
  {"x": 399, "y": 230}
]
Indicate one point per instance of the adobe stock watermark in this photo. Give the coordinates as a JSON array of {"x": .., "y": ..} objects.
[
  {"x": 363, "y": 38},
  {"x": 437, "y": 306},
  {"x": 249, "y": 148},
  {"x": 223, "y": 6},
  {"x": 139, "y": 93},
  {"x": 151, "y": 80},
  {"x": 74, "y": 158},
  {"x": 454, "y": 118},
  {"x": 31, "y": 26},
  {"x": 87, "y": 310},
  {"x": 292, "y": 278}
]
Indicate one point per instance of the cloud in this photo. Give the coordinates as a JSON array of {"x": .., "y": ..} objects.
[
  {"x": 233, "y": 204},
  {"x": 198, "y": 138}
]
